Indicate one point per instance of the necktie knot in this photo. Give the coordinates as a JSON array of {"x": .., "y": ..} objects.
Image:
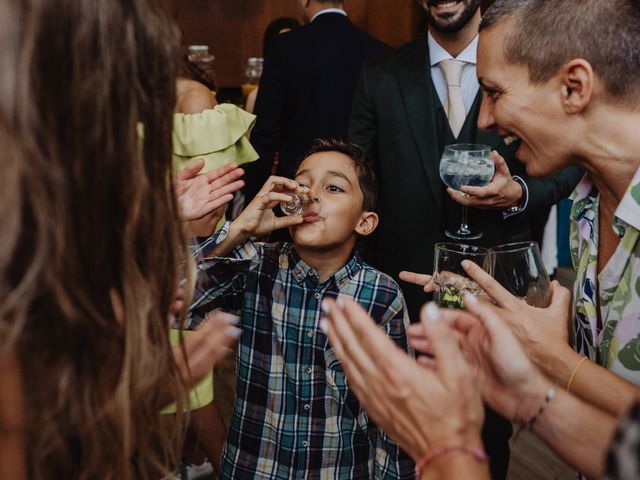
[{"x": 452, "y": 70}]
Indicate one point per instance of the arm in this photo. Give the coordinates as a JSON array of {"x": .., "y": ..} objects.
[
  {"x": 266, "y": 136},
  {"x": 550, "y": 190}
]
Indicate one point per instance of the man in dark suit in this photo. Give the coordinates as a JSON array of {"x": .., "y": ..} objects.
[
  {"x": 406, "y": 110},
  {"x": 307, "y": 88}
]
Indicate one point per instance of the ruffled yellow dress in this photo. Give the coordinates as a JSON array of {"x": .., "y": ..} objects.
[{"x": 220, "y": 137}]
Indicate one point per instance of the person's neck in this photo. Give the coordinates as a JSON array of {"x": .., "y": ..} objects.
[
  {"x": 612, "y": 140},
  {"x": 455, "y": 42},
  {"x": 315, "y": 8},
  {"x": 326, "y": 262}
]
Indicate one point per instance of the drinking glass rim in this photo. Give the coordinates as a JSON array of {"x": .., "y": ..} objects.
[
  {"x": 467, "y": 147},
  {"x": 453, "y": 248},
  {"x": 514, "y": 247}
]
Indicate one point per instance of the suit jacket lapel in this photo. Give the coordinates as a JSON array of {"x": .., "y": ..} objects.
[{"x": 416, "y": 91}]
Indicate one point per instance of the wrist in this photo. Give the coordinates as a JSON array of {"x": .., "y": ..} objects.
[
  {"x": 458, "y": 460},
  {"x": 530, "y": 397}
]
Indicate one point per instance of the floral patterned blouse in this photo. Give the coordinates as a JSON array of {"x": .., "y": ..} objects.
[{"x": 615, "y": 343}]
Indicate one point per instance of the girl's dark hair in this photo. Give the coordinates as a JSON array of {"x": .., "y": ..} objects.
[
  {"x": 364, "y": 171},
  {"x": 192, "y": 71},
  {"x": 89, "y": 225},
  {"x": 273, "y": 30}
]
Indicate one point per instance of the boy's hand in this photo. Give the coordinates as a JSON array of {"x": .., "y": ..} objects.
[{"x": 258, "y": 217}]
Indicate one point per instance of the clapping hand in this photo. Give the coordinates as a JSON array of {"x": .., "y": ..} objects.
[{"x": 200, "y": 194}]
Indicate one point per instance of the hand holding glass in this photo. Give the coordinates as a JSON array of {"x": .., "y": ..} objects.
[{"x": 465, "y": 164}]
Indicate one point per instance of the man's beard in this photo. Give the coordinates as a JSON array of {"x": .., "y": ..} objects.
[{"x": 451, "y": 24}]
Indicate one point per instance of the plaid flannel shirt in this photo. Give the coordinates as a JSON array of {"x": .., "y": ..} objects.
[{"x": 294, "y": 415}]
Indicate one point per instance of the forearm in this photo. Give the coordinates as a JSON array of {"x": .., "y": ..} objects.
[
  {"x": 578, "y": 432},
  {"x": 592, "y": 383}
]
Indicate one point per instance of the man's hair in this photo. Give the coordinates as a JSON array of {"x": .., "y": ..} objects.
[
  {"x": 330, "y": 1},
  {"x": 548, "y": 33},
  {"x": 364, "y": 171}
]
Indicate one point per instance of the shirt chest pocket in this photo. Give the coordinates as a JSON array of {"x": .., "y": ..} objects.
[{"x": 338, "y": 392}]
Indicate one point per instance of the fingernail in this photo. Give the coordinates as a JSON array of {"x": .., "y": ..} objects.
[
  {"x": 470, "y": 298},
  {"x": 432, "y": 312},
  {"x": 340, "y": 303},
  {"x": 324, "y": 306},
  {"x": 465, "y": 264},
  {"x": 233, "y": 332},
  {"x": 324, "y": 326}
]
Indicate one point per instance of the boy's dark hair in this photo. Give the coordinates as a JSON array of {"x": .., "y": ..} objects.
[{"x": 364, "y": 171}]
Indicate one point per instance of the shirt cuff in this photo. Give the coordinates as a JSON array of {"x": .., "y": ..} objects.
[{"x": 522, "y": 204}]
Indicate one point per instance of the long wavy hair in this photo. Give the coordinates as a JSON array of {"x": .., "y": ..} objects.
[{"x": 89, "y": 223}]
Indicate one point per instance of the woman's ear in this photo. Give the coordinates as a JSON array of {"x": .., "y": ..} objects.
[
  {"x": 367, "y": 224},
  {"x": 577, "y": 79}
]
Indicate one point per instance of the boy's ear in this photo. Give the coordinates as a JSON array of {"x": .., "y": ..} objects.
[{"x": 367, "y": 224}]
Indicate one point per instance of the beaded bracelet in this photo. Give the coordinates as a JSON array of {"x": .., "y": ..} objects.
[
  {"x": 475, "y": 452},
  {"x": 550, "y": 394}
]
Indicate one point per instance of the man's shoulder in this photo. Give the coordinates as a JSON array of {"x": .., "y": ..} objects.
[{"x": 391, "y": 60}]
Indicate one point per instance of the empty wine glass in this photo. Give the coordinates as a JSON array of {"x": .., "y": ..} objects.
[
  {"x": 518, "y": 267},
  {"x": 465, "y": 164},
  {"x": 451, "y": 280}
]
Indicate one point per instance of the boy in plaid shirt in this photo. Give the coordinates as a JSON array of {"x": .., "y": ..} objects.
[{"x": 294, "y": 415}]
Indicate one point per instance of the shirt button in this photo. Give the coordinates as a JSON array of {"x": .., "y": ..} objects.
[
  {"x": 307, "y": 407},
  {"x": 309, "y": 370},
  {"x": 311, "y": 334},
  {"x": 318, "y": 295},
  {"x": 305, "y": 444},
  {"x": 299, "y": 277}
]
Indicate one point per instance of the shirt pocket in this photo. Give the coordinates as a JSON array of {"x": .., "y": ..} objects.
[{"x": 338, "y": 390}]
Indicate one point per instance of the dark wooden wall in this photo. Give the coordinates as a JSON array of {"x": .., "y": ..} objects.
[{"x": 234, "y": 28}]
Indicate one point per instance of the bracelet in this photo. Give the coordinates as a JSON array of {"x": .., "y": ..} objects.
[
  {"x": 573, "y": 374},
  {"x": 476, "y": 452},
  {"x": 550, "y": 394}
]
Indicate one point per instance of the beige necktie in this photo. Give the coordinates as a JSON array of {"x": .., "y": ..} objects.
[{"x": 454, "y": 105}]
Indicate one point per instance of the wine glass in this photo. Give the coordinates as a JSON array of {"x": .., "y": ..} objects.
[
  {"x": 518, "y": 267},
  {"x": 465, "y": 164},
  {"x": 450, "y": 279}
]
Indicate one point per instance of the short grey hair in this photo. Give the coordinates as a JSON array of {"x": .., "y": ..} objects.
[{"x": 546, "y": 34}]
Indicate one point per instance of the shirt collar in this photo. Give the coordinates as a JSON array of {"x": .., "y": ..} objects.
[
  {"x": 438, "y": 54},
  {"x": 629, "y": 209},
  {"x": 301, "y": 270},
  {"x": 329, "y": 10}
]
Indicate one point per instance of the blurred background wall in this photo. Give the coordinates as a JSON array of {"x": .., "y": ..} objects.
[{"x": 234, "y": 28}]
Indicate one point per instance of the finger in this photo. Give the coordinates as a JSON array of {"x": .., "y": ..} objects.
[
  {"x": 282, "y": 182},
  {"x": 415, "y": 331},
  {"x": 445, "y": 346},
  {"x": 482, "y": 193},
  {"x": 460, "y": 320},
  {"x": 426, "y": 361},
  {"x": 287, "y": 221},
  {"x": 501, "y": 165},
  {"x": 230, "y": 188},
  {"x": 491, "y": 287},
  {"x": 420, "y": 345},
  {"x": 221, "y": 172},
  {"x": 226, "y": 179},
  {"x": 191, "y": 170},
  {"x": 421, "y": 279},
  {"x": 499, "y": 333}
]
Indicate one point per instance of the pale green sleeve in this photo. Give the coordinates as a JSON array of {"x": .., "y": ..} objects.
[{"x": 219, "y": 136}]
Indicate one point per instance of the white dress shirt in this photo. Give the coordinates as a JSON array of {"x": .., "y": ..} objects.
[
  {"x": 469, "y": 80},
  {"x": 329, "y": 10}
]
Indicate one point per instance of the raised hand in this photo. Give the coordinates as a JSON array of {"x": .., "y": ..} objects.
[
  {"x": 258, "y": 218},
  {"x": 543, "y": 332},
  {"x": 200, "y": 194},
  {"x": 502, "y": 192},
  {"x": 420, "y": 279}
]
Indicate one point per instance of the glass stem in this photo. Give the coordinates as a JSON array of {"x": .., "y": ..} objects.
[{"x": 464, "y": 227}]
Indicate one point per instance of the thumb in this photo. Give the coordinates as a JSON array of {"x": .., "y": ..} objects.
[
  {"x": 445, "y": 346},
  {"x": 191, "y": 170},
  {"x": 501, "y": 165},
  {"x": 285, "y": 222}
]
